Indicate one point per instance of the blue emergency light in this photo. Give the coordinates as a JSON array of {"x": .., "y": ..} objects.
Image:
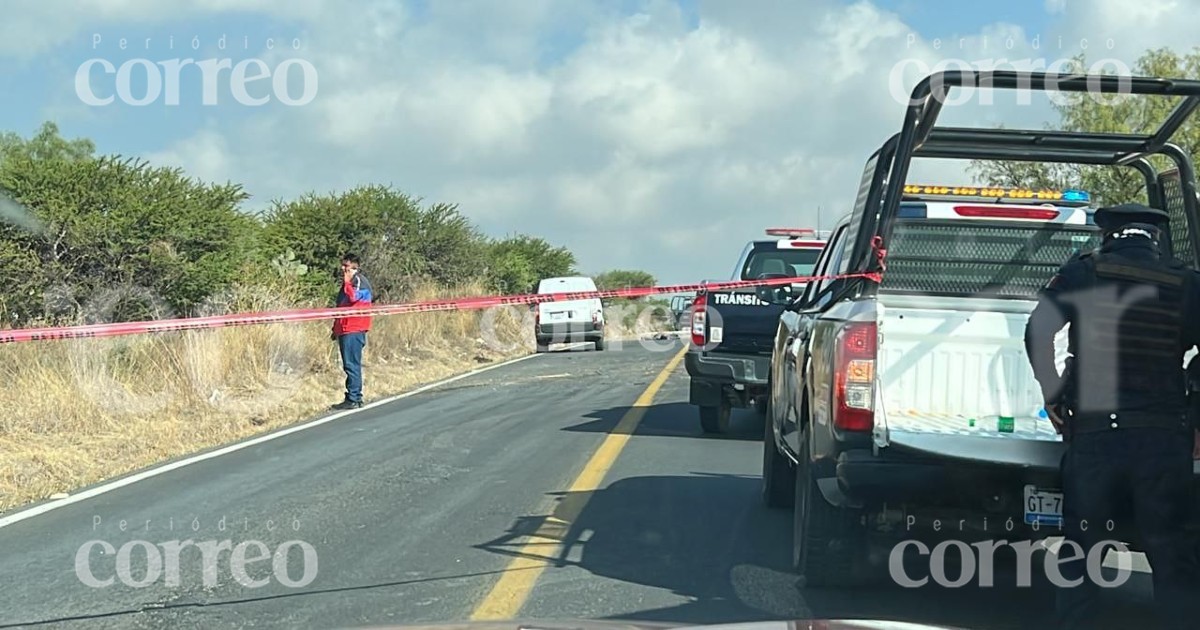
[{"x": 1076, "y": 195}]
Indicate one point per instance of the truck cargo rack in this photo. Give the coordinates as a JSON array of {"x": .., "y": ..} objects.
[{"x": 1173, "y": 190}]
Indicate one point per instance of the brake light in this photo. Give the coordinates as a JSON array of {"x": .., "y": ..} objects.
[
  {"x": 854, "y": 379},
  {"x": 699, "y": 322},
  {"x": 800, "y": 244},
  {"x": 1000, "y": 212}
]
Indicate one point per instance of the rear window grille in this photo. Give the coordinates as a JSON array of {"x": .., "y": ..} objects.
[
  {"x": 972, "y": 259},
  {"x": 1172, "y": 188}
]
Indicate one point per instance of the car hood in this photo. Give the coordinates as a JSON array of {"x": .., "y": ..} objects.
[{"x": 815, "y": 624}]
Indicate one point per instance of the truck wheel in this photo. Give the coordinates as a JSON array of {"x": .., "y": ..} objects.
[
  {"x": 599, "y": 343},
  {"x": 715, "y": 419},
  {"x": 543, "y": 346},
  {"x": 778, "y": 475},
  {"x": 829, "y": 543}
]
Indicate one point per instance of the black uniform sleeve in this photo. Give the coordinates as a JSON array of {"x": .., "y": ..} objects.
[
  {"x": 1191, "y": 320},
  {"x": 1052, "y": 312}
]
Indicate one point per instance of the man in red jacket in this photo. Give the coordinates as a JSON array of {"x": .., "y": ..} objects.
[{"x": 351, "y": 332}]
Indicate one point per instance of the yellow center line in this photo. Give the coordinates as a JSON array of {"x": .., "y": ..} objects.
[{"x": 505, "y": 599}]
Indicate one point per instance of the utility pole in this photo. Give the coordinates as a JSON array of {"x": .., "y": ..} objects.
[{"x": 818, "y": 220}]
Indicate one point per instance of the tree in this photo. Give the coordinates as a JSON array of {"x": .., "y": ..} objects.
[
  {"x": 518, "y": 263},
  {"x": 399, "y": 241},
  {"x": 623, "y": 279},
  {"x": 81, "y": 230},
  {"x": 116, "y": 235},
  {"x": 1110, "y": 113},
  {"x": 46, "y": 145},
  {"x": 108, "y": 233}
]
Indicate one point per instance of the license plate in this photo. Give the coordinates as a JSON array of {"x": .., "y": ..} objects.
[
  {"x": 559, "y": 316},
  {"x": 1043, "y": 506}
]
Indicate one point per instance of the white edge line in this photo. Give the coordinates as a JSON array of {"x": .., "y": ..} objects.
[{"x": 152, "y": 472}]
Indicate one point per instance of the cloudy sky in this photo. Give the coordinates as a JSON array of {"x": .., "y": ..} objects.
[{"x": 651, "y": 134}]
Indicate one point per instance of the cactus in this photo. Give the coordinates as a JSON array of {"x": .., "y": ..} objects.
[{"x": 286, "y": 265}]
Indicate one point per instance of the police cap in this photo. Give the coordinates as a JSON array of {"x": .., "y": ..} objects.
[{"x": 1113, "y": 217}]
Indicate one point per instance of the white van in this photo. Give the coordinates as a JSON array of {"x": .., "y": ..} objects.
[{"x": 568, "y": 321}]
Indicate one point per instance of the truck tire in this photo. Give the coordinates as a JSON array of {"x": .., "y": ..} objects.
[
  {"x": 542, "y": 346},
  {"x": 599, "y": 343},
  {"x": 715, "y": 419},
  {"x": 778, "y": 475},
  {"x": 829, "y": 543}
]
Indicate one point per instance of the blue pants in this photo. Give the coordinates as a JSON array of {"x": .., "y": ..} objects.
[
  {"x": 351, "y": 347},
  {"x": 1132, "y": 477}
]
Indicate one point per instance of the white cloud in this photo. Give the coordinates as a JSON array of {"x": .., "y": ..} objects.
[
  {"x": 639, "y": 141},
  {"x": 1130, "y": 27},
  {"x": 663, "y": 93},
  {"x": 207, "y": 156}
]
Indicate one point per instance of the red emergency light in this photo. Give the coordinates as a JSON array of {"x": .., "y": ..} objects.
[
  {"x": 802, "y": 244},
  {"x": 1002, "y": 212}
]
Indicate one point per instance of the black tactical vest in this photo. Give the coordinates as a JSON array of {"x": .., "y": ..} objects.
[{"x": 1130, "y": 332}]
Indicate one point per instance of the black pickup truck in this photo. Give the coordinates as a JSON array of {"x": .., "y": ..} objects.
[{"x": 732, "y": 331}]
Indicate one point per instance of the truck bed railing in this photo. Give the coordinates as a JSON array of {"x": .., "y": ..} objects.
[{"x": 921, "y": 137}]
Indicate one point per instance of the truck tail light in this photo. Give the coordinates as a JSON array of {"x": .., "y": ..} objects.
[
  {"x": 699, "y": 322},
  {"x": 854, "y": 379},
  {"x": 596, "y": 318}
]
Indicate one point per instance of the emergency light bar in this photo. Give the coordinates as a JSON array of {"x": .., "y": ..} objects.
[
  {"x": 949, "y": 210},
  {"x": 1070, "y": 195},
  {"x": 792, "y": 232}
]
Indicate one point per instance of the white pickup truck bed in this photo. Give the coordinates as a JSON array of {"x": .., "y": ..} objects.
[
  {"x": 961, "y": 359},
  {"x": 944, "y": 362},
  {"x": 949, "y": 369}
]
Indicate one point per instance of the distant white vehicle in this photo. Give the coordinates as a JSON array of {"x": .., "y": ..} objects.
[{"x": 568, "y": 321}]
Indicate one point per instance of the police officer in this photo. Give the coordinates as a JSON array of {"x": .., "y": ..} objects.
[{"x": 1122, "y": 406}]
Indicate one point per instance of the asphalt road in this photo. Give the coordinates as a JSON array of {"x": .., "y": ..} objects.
[{"x": 417, "y": 509}]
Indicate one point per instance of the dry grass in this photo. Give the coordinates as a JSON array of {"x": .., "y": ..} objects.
[{"x": 78, "y": 412}]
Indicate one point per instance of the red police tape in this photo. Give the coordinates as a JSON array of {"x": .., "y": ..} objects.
[{"x": 307, "y": 315}]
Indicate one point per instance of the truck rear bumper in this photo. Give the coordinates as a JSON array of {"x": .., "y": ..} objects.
[
  {"x": 954, "y": 495},
  {"x": 714, "y": 377},
  {"x": 900, "y": 478},
  {"x": 569, "y": 331},
  {"x": 747, "y": 369}
]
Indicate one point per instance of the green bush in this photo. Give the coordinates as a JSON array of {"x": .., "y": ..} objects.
[
  {"x": 104, "y": 234},
  {"x": 115, "y": 239},
  {"x": 400, "y": 242},
  {"x": 518, "y": 263}
]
